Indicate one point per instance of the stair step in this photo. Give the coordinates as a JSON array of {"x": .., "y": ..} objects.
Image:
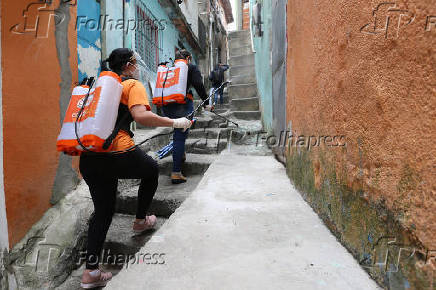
[
  {"x": 239, "y": 41},
  {"x": 202, "y": 146},
  {"x": 167, "y": 199},
  {"x": 225, "y": 105},
  {"x": 221, "y": 110},
  {"x": 122, "y": 240},
  {"x": 226, "y": 100},
  {"x": 246, "y": 70},
  {"x": 195, "y": 164},
  {"x": 242, "y": 50},
  {"x": 247, "y": 115},
  {"x": 245, "y": 104},
  {"x": 243, "y": 79},
  {"x": 153, "y": 144},
  {"x": 243, "y": 91},
  {"x": 207, "y": 121},
  {"x": 237, "y": 34},
  {"x": 242, "y": 60},
  {"x": 209, "y": 133}
]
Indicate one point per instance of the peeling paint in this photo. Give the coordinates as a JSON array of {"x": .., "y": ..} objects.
[
  {"x": 89, "y": 57},
  {"x": 89, "y": 41}
]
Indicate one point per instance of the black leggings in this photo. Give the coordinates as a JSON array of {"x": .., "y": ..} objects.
[{"x": 101, "y": 173}]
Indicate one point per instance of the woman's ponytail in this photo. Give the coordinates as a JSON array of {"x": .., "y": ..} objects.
[{"x": 104, "y": 65}]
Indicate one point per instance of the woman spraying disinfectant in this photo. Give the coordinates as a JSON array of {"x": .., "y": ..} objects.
[{"x": 101, "y": 171}]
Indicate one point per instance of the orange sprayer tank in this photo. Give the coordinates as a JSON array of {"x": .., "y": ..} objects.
[
  {"x": 175, "y": 79},
  {"x": 98, "y": 118}
]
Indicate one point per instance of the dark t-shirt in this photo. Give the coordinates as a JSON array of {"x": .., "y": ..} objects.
[
  {"x": 217, "y": 75},
  {"x": 195, "y": 80}
]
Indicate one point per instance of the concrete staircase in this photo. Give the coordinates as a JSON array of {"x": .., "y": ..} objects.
[{"x": 243, "y": 90}]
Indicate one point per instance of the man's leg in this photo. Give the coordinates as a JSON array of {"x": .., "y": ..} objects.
[
  {"x": 221, "y": 96},
  {"x": 179, "y": 140},
  {"x": 216, "y": 96}
]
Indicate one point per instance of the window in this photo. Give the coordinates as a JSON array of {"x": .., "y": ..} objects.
[{"x": 148, "y": 36}]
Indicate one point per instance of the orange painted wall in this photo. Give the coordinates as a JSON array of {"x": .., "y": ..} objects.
[
  {"x": 31, "y": 77},
  {"x": 378, "y": 91}
]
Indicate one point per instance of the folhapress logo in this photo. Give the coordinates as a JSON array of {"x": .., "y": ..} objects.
[
  {"x": 38, "y": 17},
  {"x": 43, "y": 257},
  {"x": 388, "y": 20}
]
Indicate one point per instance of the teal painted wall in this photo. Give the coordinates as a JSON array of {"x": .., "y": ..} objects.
[
  {"x": 88, "y": 38},
  {"x": 262, "y": 46}
]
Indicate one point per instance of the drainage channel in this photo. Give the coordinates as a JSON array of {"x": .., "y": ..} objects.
[{"x": 120, "y": 240}]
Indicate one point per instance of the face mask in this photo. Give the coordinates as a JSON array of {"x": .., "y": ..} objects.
[
  {"x": 134, "y": 71},
  {"x": 140, "y": 67}
]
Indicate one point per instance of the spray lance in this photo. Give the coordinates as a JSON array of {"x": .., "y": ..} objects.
[{"x": 169, "y": 148}]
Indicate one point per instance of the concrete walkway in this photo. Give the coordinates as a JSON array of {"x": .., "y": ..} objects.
[{"x": 244, "y": 227}]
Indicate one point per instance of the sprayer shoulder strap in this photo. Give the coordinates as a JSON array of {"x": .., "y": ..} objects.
[
  {"x": 163, "y": 85},
  {"x": 123, "y": 123}
]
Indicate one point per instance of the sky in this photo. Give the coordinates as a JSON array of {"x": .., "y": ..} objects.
[{"x": 232, "y": 26}]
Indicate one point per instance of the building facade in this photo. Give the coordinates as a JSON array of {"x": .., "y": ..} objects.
[{"x": 214, "y": 18}]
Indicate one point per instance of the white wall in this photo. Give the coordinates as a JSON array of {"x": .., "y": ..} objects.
[
  {"x": 190, "y": 10},
  {"x": 234, "y": 25},
  {"x": 4, "y": 243}
]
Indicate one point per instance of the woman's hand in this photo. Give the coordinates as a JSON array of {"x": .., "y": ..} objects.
[{"x": 182, "y": 123}]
